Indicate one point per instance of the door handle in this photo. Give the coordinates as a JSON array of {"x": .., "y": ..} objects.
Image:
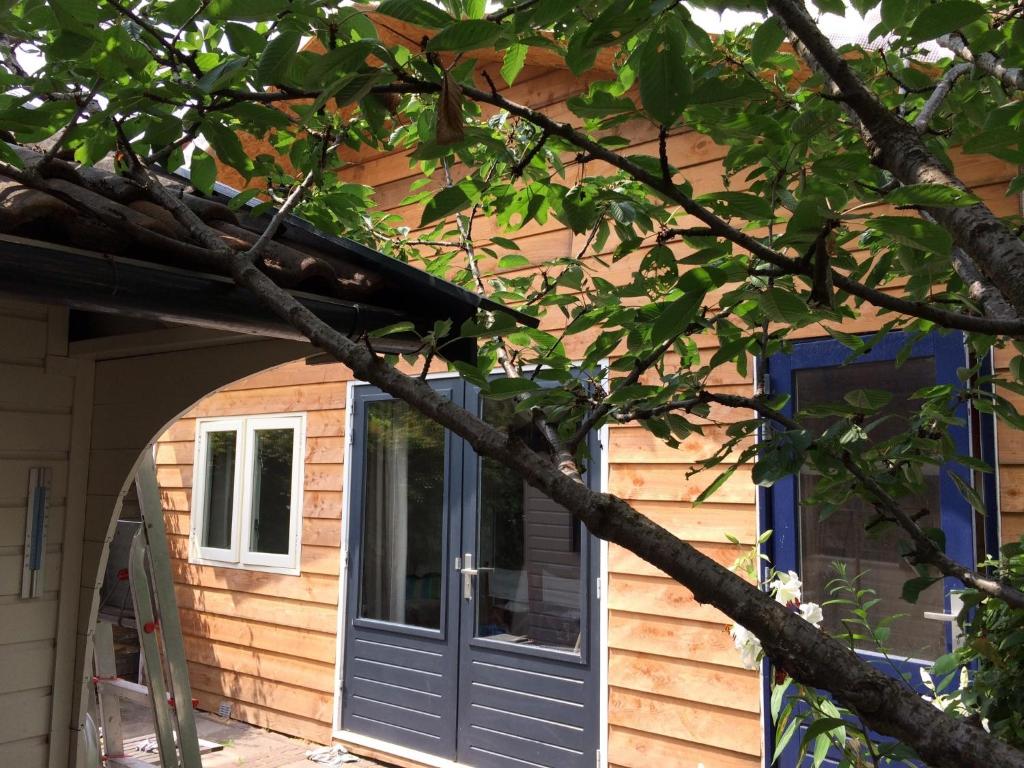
[
  {"x": 464, "y": 565},
  {"x": 956, "y": 604}
]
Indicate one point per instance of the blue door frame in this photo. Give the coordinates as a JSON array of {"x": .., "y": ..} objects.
[
  {"x": 450, "y": 692},
  {"x": 779, "y": 504}
]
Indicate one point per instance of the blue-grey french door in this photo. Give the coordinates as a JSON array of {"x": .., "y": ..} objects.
[
  {"x": 817, "y": 372},
  {"x": 471, "y": 620}
]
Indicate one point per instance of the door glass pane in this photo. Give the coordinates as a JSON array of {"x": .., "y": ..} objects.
[
  {"x": 529, "y": 554},
  {"x": 219, "y": 493},
  {"x": 273, "y": 452},
  {"x": 403, "y": 516},
  {"x": 842, "y": 537}
]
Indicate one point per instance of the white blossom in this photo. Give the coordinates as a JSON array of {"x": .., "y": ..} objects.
[
  {"x": 812, "y": 612},
  {"x": 748, "y": 645},
  {"x": 950, "y": 702},
  {"x": 787, "y": 587}
]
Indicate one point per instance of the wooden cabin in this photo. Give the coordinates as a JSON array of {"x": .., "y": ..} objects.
[
  {"x": 548, "y": 648},
  {"x": 101, "y": 350}
]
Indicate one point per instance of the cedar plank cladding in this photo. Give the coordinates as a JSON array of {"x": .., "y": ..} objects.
[
  {"x": 677, "y": 695},
  {"x": 36, "y": 402},
  {"x": 265, "y": 642}
]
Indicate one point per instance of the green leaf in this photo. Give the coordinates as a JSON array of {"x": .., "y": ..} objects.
[
  {"x": 81, "y": 10},
  {"x": 783, "y": 306},
  {"x": 782, "y": 739},
  {"x": 512, "y": 64},
  {"x": 779, "y": 696},
  {"x": 501, "y": 389},
  {"x": 766, "y": 41},
  {"x": 504, "y": 242},
  {"x": 465, "y": 36},
  {"x": 499, "y": 324},
  {"x": 821, "y": 727},
  {"x": 347, "y": 89},
  {"x": 391, "y": 330},
  {"x": 916, "y": 233},
  {"x": 245, "y": 10},
  {"x": 580, "y": 55},
  {"x": 999, "y": 138},
  {"x": 239, "y": 201},
  {"x": 664, "y": 74},
  {"x": 940, "y": 18},
  {"x": 416, "y": 12},
  {"x": 202, "y": 171},
  {"x": 838, "y": 7},
  {"x": 931, "y": 196},
  {"x": 944, "y": 665},
  {"x": 894, "y": 12},
  {"x": 869, "y": 400},
  {"x": 8, "y": 155},
  {"x": 675, "y": 318},
  {"x": 971, "y": 496},
  {"x": 227, "y": 147},
  {"x": 446, "y": 202},
  {"x": 222, "y": 74},
  {"x": 277, "y": 57},
  {"x": 513, "y": 261},
  {"x": 913, "y": 588},
  {"x": 718, "y": 483},
  {"x": 599, "y": 104}
]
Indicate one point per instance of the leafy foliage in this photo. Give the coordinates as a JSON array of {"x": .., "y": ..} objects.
[{"x": 678, "y": 279}]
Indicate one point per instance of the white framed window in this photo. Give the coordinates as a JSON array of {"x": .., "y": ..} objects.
[{"x": 247, "y": 492}]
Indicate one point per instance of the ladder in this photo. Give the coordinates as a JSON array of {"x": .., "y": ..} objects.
[{"x": 163, "y": 650}]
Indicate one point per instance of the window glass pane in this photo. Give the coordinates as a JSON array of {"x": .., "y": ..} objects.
[
  {"x": 841, "y": 537},
  {"x": 219, "y": 492},
  {"x": 529, "y": 555},
  {"x": 272, "y": 490},
  {"x": 403, "y": 516}
]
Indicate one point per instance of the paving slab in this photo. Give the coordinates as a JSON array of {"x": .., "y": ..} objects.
[{"x": 244, "y": 745}]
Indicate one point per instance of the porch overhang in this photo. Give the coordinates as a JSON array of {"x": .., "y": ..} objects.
[{"x": 117, "y": 285}]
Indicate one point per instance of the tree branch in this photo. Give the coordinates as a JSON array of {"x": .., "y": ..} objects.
[
  {"x": 926, "y": 550},
  {"x": 1011, "y": 78},
  {"x": 811, "y": 656},
  {"x": 174, "y": 55},
  {"x": 640, "y": 367},
  {"x": 282, "y": 213},
  {"x": 897, "y": 147},
  {"x": 83, "y": 107},
  {"x": 931, "y": 106},
  {"x": 721, "y": 228},
  {"x": 671, "y": 233},
  {"x": 511, "y": 10},
  {"x": 716, "y": 227}
]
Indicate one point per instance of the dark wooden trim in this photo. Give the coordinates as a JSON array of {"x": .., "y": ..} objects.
[{"x": 117, "y": 285}]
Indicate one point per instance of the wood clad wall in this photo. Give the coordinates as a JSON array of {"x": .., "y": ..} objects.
[
  {"x": 35, "y": 431},
  {"x": 265, "y": 642},
  {"x": 677, "y": 694},
  {"x": 1010, "y": 447}
]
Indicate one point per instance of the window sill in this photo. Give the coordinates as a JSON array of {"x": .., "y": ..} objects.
[{"x": 277, "y": 569}]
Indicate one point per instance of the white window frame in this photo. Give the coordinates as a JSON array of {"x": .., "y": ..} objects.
[{"x": 239, "y": 556}]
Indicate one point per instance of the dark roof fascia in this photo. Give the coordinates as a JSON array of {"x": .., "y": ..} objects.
[{"x": 118, "y": 285}]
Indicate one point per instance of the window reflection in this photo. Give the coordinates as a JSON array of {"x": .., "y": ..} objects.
[
  {"x": 272, "y": 491},
  {"x": 219, "y": 493},
  {"x": 403, "y": 516},
  {"x": 842, "y": 537},
  {"x": 529, "y": 554}
]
